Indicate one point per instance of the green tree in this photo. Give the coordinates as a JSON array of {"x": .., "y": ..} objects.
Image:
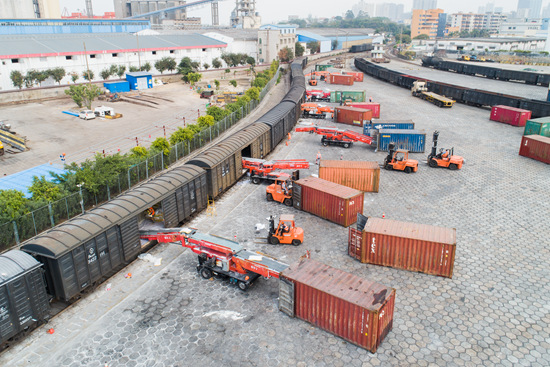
[
  {"x": 181, "y": 135},
  {"x": 160, "y": 65},
  {"x": 113, "y": 69},
  {"x": 313, "y": 46},
  {"x": 161, "y": 144},
  {"x": 216, "y": 63},
  {"x": 405, "y": 38},
  {"x": 17, "y": 79},
  {"x": 57, "y": 74},
  {"x": 139, "y": 152},
  {"x": 250, "y": 61},
  {"x": 133, "y": 69},
  {"x": 121, "y": 70},
  {"x": 260, "y": 82},
  {"x": 88, "y": 75},
  {"x": 233, "y": 82},
  {"x": 74, "y": 77},
  {"x": 105, "y": 74},
  {"x": 12, "y": 204},
  {"x": 146, "y": 67},
  {"x": 349, "y": 15},
  {"x": 422, "y": 36},
  {"x": 42, "y": 189},
  {"x": 216, "y": 112},
  {"x": 253, "y": 93},
  {"x": 206, "y": 66},
  {"x": 299, "y": 49},
  {"x": 205, "y": 121},
  {"x": 41, "y": 76},
  {"x": 195, "y": 65},
  {"x": 286, "y": 54},
  {"x": 333, "y": 44},
  {"x": 84, "y": 94},
  {"x": 193, "y": 78},
  {"x": 217, "y": 84},
  {"x": 185, "y": 67}
]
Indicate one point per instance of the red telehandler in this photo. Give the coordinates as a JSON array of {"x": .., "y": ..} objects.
[
  {"x": 260, "y": 169},
  {"x": 334, "y": 136}
]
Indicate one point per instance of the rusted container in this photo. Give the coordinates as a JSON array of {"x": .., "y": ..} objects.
[
  {"x": 536, "y": 147},
  {"x": 352, "y": 116},
  {"x": 341, "y": 79},
  {"x": 374, "y": 107},
  {"x": 363, "y": 176},
  {"x": 353, "y": 308},
  {"x": 328, "y": 200},
  {"x": 357, "y": 77},
  {"x": 510, "y": 115},
  {"x": 409, "y": 246}
]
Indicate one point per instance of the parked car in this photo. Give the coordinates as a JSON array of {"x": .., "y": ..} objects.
[{"x": 86, "y": 114}]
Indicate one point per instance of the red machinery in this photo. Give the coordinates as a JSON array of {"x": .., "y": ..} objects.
[
  {"x": 260, "y": 169},
  {"x": 318, "y": 95},
  {"x": 334, "y": 136},
  {"x": 220, "y": 257},
  {"x": 314, "y": 110}
]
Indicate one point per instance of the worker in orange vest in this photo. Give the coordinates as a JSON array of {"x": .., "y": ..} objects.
[{"x": 318, "y": 158}]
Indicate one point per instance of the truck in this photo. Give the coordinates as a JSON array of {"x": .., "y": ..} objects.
[{"x": 420, "y": 89}]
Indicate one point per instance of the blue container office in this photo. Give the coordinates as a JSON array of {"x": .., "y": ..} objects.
[
  {"x": 117, "y": 87},
  {"x": 412, "y": 140},
  {"x": 140, "y": 80},
  {"x": 369, "y": 129}
]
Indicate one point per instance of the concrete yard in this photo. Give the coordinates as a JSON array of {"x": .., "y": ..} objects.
[
  {"x": 512, "y": 88},
  {"x": 495, "y": 311}
]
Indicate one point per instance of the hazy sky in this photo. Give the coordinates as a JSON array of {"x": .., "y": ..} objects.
[{"x": 274, "y": 10}]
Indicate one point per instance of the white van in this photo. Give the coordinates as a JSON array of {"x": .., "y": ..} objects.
[{"x": 87, "y": 115}]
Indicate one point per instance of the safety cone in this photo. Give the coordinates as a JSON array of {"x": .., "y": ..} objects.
[
  {"x": 383, "y": 215},
  {"x": 51, "y": 331},
  {"x": 287, "y": 143}
]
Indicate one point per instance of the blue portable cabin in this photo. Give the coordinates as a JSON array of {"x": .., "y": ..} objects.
[
  {"x": 412, "y": 140},
  {"x": 370, "y": 129},
  {"x": 117, "y": 87},
  {"x": 140, "y": 80}
]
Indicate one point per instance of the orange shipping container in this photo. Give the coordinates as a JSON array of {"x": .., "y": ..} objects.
[
  {"x": 364, "y": 176},
  {"x": 358, "y": 77},
  {"x": 341, "y": 79},
  {"x": 409, "y": 246},
  {"x": 536, "y": 147},
  {"x": 352, "y": 115},
  {"x": 353, "y": 308},
  {"x": 328, "y": 200}
]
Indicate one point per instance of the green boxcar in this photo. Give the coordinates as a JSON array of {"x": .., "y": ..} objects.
[
  {"x": 353, "y": 95},
  {"x": 540, "y": 126},
  {"x": 322, "y": 67}
]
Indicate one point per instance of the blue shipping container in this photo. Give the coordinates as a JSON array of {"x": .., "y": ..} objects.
[
  {"x": 412, "y": 140},
  {"x": 140, "y": 80},
  {"x": 368, "y": 129},
  {"x": 114, "y": 87}
]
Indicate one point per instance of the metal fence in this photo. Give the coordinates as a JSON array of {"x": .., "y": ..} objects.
[{"x": 47, "y": 217}]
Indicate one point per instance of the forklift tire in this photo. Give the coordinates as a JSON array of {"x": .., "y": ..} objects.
[
  {"x": 325, "y": 143},
  {"x": 288, "y": 202},
  {"x": 256, "y": 180},
  {"x": 206, "y": 273},
  {"x": 242, "y": 285},
  {"x": 346, "y": 145},
  {"x": 453, "y": 167},
  {"x": 269, "y": 197},
  {"x": 389, "y": 167},
  {"x": 296, "y": 242},
  {"x": 408, "y": 170},
  {"x": 274, "y": 240},
  {"x": 432, "y": 163}
]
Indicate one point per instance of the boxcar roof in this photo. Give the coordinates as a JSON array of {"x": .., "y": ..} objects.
[{"x": 14, "y": 263}]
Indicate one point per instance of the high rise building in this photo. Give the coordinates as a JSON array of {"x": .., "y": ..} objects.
[
  {"x": 546, "y": 11},
  {"x": 424, "y": 4},
  {"x": 529, "y": 9},
  {"x": 390, "y": 10},
  {"x": 425, "y": 22},
  {"x": 364, "y": 8}
]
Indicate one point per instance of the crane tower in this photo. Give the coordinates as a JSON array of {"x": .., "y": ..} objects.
[{"x": 244, "y": 15}]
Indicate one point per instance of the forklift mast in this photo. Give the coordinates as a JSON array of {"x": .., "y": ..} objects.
[{"x": 434, "y": 146}]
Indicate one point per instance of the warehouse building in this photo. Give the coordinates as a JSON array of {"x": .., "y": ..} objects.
[
  {"x": 100, "y": 51},
  {"x": 71, "y": 26}
]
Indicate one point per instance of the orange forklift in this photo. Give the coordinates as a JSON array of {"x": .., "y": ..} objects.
[
  {"x": 312, "y": 79},
  {"x": 286, "y": 232},
  {"x": 445, "y": 157},
  {"x": 399, "y": 160},
  {"x": 281, "y": 190}
]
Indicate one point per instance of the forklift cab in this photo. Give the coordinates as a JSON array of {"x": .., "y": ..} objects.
[{"x": 285, "y": 232}]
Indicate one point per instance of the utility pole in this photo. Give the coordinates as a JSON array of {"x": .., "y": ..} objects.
[
  {"x": 139, "y": 56},
  {"x": 87, "y": 66}
]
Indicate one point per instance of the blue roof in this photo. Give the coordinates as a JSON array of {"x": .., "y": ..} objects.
[
  {"x": 312, "y": 35},
  {"x": 22, "y": 180},
  {"x": 137, "y": 74}
]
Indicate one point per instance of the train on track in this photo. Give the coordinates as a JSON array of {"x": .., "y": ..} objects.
[
  {"x": 82, "y": 252},
  {"x": 474, "y": 97},
  {"x": 488, "y": 72}
]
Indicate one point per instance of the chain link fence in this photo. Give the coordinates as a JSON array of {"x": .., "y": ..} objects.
[{"x": 55, "y": 213}]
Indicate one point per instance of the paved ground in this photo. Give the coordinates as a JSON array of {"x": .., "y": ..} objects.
[
  {"x": 494, "y": 312},
  {"x": 497, "y": 86}
]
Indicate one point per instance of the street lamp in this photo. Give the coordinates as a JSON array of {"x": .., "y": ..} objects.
[{"x": 81, "y": 197}]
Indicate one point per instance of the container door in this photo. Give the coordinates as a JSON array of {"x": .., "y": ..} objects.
[
  {"x": 92, "y": 260},
  {"x": 170, "y": 211},
  {"x": 7, "y": 316},
  {"x": 81, "y": 267},
  {"x": 142, "y": 83},
  {"x": 355, "y": 241},
  {"x": 297, "y": 196},
  {"x": 179, "y": 204},
  {"x": 186, "y": 201},
  {"x": 20, "y": 298},
  {"x": 103, "y": 251},
  {"x": 200, "y": 190},
  {"x": 361, "y": 222},
  {"x": 131, "y": 245},
  {"x": 286, "y": 297},
  {"x": 114, "y": 246}
]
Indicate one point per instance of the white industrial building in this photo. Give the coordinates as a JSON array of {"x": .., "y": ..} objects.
[
  {"x": 482, "y": 44},
  {"x": 17, "y": 9},
  {"x": 43, "y": 52},
  {"x": 273, "y": 38}
]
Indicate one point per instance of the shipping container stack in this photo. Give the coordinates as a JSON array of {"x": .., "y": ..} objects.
[
  {"x": 535, "y": 142},
  {"x": 510, "y": 115},
  {"x": 363, "y": 176},
  {"x": 352, "y": 116}
]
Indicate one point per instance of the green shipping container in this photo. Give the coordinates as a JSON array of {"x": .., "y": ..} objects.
[
  {"x": 540, "y": 126},
  {"x": 354, "y": 95},
  {"x": 322, "y": 67}
]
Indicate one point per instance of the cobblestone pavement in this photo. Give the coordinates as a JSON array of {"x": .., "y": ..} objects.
[
  {"x": 497, "y": 86},
  {"x": 495, "y": 311}
]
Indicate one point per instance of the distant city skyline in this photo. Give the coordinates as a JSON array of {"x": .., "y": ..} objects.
[{"x": 271, "y": 11}]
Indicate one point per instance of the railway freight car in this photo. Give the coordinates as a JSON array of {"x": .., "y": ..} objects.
[{"x": 85, "y": 250}]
